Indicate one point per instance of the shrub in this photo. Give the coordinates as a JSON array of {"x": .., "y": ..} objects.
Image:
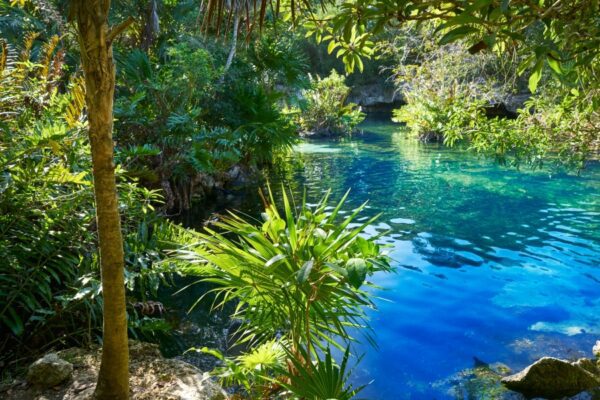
[
  {"x": 192, "y": 120},
  {"x": 444, "y": 86},
  {"x": 447, "y": 91},
  {"x": 324, "y": 110},
  {"x": 297, "y": 276},
  {"x": 556, "y": 127}
]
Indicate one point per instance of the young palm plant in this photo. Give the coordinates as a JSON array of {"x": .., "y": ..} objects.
[
  {"x": 323, "y": 379},
  {"x": 297, "y": 275}
]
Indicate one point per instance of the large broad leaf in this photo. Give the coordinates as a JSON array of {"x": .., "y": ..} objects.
[
  {"x": 536, "y": 75},
  {"x": 554, "y": 63},
  {"x": 357, "y": 271}
]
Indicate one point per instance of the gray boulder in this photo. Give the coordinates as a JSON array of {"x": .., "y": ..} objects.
[
  {"x": 49, "y": 371},
  {"x": 552, "y": 378}
]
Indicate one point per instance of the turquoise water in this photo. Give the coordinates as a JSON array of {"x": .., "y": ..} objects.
[{"x": 493, "y": 264}]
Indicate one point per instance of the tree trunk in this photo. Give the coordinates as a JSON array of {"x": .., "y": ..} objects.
[
  {"x": 95, "y": 40},
  {"x": 236, "y": 27}
]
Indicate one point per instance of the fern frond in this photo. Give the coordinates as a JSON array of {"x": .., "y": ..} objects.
[
  {"x": 57, "y": 65},
  {"x": 77, "y": 103},
  {"x": 3, "y": 56},
  {"x": 47, "y": 57},
  {"x": 27, "y": 45}
]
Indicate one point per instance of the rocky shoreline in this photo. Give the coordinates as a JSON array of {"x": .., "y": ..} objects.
[{"x": 71, "y": 375}]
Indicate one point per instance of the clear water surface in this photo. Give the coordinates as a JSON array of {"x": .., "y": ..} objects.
[{"x": 493, "y": 264}]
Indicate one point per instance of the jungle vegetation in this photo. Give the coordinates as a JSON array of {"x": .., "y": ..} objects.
[{"x": 112, "y": 116}]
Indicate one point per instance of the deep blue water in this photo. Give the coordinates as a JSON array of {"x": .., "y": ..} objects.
[{"x": 492, "y": 263}]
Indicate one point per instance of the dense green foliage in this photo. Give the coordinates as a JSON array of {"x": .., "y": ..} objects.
[
  {"x": 555, "y": 39},
  {"x": 50, "y": 289},
  {"x": 324, "y": 109},
  {"x": 168, "y": 108},
  {"x": 450, "y": 95},
  {"x": 444, "y": 87},
  {"x": 563, "y": 130},
  {"x": 568, "y": 42},
  {"x": 180, "y": 113}
]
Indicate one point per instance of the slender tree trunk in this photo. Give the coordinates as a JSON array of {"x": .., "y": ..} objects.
[
  {"x": 152, "y": 26},
  {"x": 95, "y": 38},
  {"x": 236, "y": 26}
]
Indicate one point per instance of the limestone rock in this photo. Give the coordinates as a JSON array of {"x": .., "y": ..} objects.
[
  {"x": 553, "y": 378},
  {"x": 192, "y": 384},
  {"x": 596, "y": 349},
  {"x": 376, "y": 94},
  {"x": 588, "y": 365},
  {"x": 49, "y": 371}
]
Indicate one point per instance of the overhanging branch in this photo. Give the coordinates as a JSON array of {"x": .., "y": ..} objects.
[{"x": 118, "y": 29}]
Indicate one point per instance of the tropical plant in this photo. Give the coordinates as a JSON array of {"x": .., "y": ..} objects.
[
  {"x": 299, "y": 272},
  {"x": 279, "y": 60},
  {"x": 297, "y": 275},
  {"x": 323, "y": 379},
  {"x": 325, "y": 110},
  {"x": 264, "y": 130},
  {"x": 449, "y": 92},
  {"x": 162, "y": 108},
  {"x": 254, "y": 370}
]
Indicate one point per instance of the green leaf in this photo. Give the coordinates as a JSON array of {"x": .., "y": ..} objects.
[
  {"x": 304, "y": 272},
  {"x": 525, "y": 64},
  {"x": 213, "y": 352},
  {"x": 331, "y": 47},
  {"x": 554, "y": 64},
  {"x": 535, "y": 76},
  {"x": 273, "y": 260},
  {"x": 357, "y": 271},
  {"x": 359, "y": 63},
  {"x": 457, "y": 33}
]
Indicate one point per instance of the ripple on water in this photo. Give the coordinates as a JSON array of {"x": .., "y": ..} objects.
[{"x": 493, "y": 263}]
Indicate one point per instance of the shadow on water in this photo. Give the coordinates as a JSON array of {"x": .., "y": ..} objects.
[{"x": 493, "y": 263}]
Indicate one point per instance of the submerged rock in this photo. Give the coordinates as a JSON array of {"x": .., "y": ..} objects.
[
  {"x": 49, "y": 371},
  {"x": 553, "y": 378},
  {"x": 482, "y": 382}
]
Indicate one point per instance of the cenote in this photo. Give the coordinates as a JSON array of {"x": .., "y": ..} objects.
[{"x": 493, "y": 265}]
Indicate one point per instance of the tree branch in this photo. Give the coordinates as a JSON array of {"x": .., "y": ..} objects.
[{"x": 118, "y": 29}]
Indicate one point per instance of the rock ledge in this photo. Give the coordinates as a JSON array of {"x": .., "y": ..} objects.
[
  {"x": 552, "y": 378},
  {"x": 152, "y": 377}
]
